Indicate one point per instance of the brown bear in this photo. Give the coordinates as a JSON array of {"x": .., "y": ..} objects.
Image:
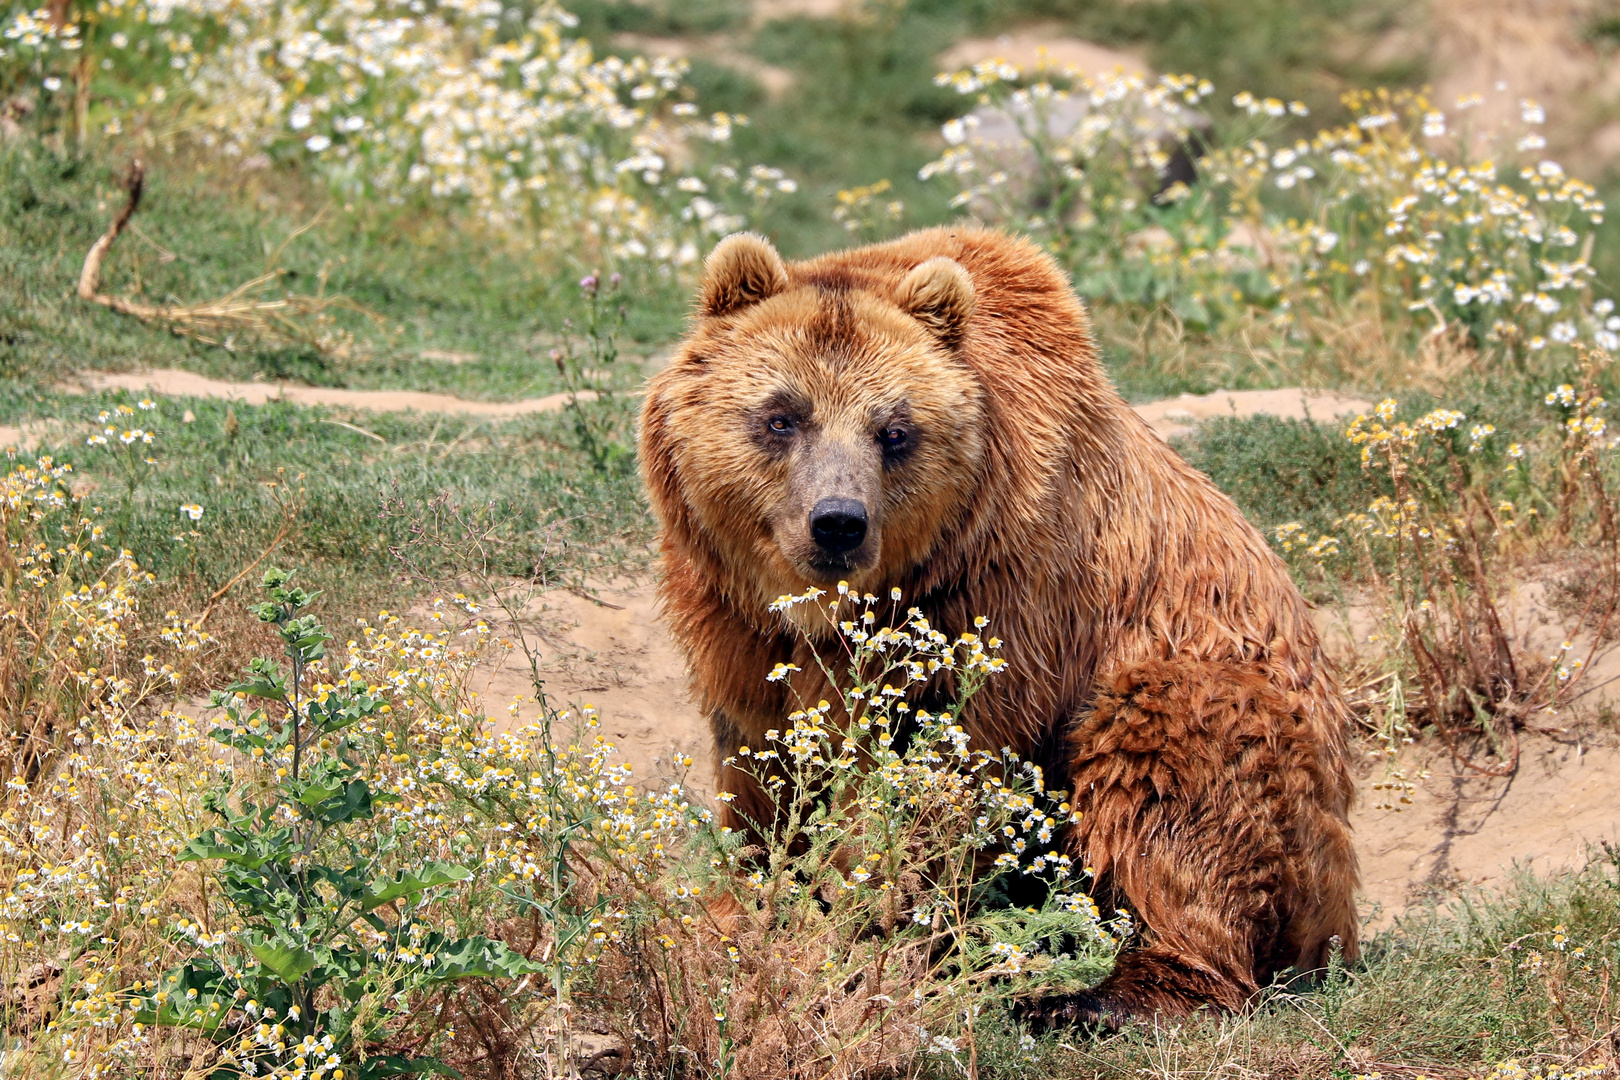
[{"x": 931, "y": 414}]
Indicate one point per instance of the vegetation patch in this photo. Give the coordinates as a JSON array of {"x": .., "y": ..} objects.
[{"x": 256, "y": 820}]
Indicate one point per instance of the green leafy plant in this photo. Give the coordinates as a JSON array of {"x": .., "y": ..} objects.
[
  {"x": 326, "y": 956},
  {"x": 907, "y": 881},
  {"x": 585, "y": 360}
]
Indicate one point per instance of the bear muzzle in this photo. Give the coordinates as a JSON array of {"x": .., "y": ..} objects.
[{"x": 830, "y": 524}]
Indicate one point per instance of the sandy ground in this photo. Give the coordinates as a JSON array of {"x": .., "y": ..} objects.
[
  {"x": 1507, "y": 51},
  {"x": 607, "y": 649},
  {"x": 767, "y": 10},
  {"x": 1175, "y": 416},
  {"x": 172, "y": 383},
  {"x": 1460, "y": 830},
  {"x": 169, "y": 382}
]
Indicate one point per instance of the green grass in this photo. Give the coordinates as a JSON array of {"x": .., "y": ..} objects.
[
  {"x": 551, "y": 511},
  {"x": 432, "y": 284},
  {"x": 1280, "y": 470},
  {"x": 434, "y": 288},
  {"x": 1451, "y": 992}
]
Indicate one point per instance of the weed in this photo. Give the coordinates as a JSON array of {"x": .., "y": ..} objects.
[
  {"x": 1435, "y": 259},
  {"x": 326, "y": 953},
  {"x": 587, "y": 371}
]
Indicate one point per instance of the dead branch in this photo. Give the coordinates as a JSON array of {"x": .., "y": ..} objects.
[
  {"x": 288, "y": 319},
  {"x": 90, "y": 276}
]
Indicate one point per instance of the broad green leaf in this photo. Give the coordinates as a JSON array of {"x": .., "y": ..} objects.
[
  {"x": 208, "y": 847},
  {"x": 410, "y": 882},
  {"x": 479, "y": 958},
  {"x": 354, "y": 802},
  {"x": 314, "y": 793},
  {"x": 288, "y": 960},
  {"x": 261, "y": 687}
]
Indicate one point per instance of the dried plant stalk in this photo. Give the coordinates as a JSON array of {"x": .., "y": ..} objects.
[{"x": 287, "y": 320}]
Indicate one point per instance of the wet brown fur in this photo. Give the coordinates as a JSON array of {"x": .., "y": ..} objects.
[{"x": 1162, "y": 661}]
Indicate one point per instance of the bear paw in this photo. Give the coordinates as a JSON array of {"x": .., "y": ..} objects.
[{"x": 1085, "y": 1010}]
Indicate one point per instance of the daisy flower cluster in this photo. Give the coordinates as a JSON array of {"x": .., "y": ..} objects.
[
  {"x": 98, "y": 777},
  {"x": 486, "y": 105},
  {"x": 1155, "y": 194},
  {"x": 1460, "y": 229},
  {"x": 889, "y": 826}
]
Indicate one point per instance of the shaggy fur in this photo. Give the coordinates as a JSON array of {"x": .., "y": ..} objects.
[{"x": 1163, "y": 664}]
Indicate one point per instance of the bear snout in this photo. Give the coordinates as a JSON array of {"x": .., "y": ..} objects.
[{"x": 838, "y": 526}]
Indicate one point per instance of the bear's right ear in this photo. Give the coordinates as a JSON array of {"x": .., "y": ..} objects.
[{"x": 742, "y": 269}]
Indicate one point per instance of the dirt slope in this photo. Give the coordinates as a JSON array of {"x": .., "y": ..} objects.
[{"x": 1460, "y": 830}]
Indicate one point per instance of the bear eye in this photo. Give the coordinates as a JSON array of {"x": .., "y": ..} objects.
[
  {"x": 781, "y": 425},
  {"x": 893, "y": 438}
]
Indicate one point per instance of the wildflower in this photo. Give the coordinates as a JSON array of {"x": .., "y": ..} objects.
[{"x": 192, "y": 510}]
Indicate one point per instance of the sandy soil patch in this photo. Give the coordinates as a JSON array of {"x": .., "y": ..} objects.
[
  {"x": 30, "y": 435},
  {"x": 607, "y": 649},
  {"x": 769, "y": 10},
  {"x": 173, "y": 383},
  {"x": 1028, "y": 47},
  {"x": 1509, "y": 50},
  {"x": 1175, "y": 416},
  {"x": 1465, "y": 830},
  {"x": 1461, "y": 830}
]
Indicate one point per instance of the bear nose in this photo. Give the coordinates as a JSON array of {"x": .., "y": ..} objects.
[{"x": 838, "y": 525}]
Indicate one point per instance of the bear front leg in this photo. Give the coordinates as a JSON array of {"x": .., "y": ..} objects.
[
  {"x": 1213, "y": 806},
  {"x": 749, "y": 807}
]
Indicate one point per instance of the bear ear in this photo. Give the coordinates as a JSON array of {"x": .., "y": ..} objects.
[
  {"x": 742, "y": 269},
  {"x": 939, "y": 294}
]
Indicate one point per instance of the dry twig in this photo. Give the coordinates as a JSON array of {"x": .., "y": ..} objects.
[{"x": 290, "y": 319}]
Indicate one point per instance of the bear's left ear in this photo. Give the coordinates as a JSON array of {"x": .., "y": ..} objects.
[
  {"x": 742, "y": 269},
  {"x": 939, "y": 294}
]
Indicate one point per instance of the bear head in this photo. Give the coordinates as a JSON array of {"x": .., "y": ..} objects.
[{"x": 817, "y": 425}]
